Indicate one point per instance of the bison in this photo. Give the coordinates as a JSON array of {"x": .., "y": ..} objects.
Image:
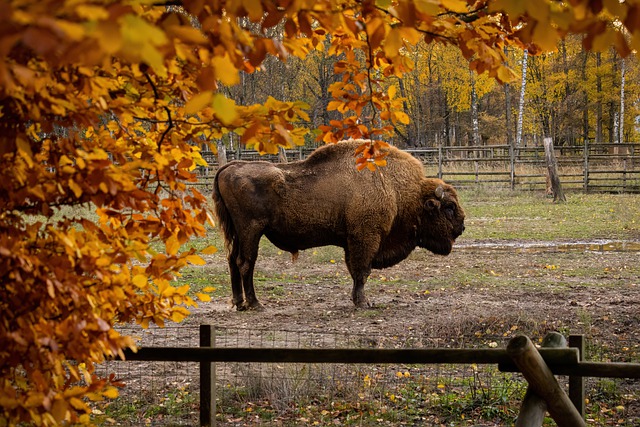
[{"x": 377, "y": 217}]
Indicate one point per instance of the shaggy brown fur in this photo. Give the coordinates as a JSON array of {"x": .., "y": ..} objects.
[{"x": 377, "y": 217}]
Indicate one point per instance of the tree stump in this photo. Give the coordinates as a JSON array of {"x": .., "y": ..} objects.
[{"x": 552, "y": 167}]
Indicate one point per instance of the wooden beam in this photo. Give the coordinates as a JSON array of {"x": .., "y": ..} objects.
[
  {"x": 534, "y": 407},
  {"x": 543, "y": 383},
  {"x": 559, "y": 357}
]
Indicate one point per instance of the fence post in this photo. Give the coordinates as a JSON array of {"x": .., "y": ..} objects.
[
  {"x": 543, "y": 383},
  {"x": 440, "y": 161},
  {"x": 207, "y": 381},
  {"x": 585, "y": 173},
  {"x": 512, "y": 160},
  {"x": 477, "y": 168},
  {"x": 576, "y": 384}
]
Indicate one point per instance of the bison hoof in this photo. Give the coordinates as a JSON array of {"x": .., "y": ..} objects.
[
  {"x": 364, "y": 304},
  {"x": 245, "y": 306}
]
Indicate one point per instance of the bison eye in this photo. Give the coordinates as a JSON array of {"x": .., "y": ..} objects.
[{"x": 450, "y": 211}]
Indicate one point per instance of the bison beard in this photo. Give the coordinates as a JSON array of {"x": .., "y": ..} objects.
[{"x": 377, "y": 217}]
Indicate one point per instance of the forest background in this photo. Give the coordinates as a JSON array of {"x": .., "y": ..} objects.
[
  {"x": 106, "y": 105},
  {"x": 571, "y": 95}
]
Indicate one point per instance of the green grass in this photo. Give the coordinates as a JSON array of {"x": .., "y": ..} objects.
[{"x": 532, "y": 216}]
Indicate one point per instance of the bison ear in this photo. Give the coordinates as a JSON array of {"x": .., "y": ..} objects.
[{"x": 431, "y": 205}]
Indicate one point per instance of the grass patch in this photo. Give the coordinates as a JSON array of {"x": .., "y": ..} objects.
[{"x": 532, "y": 216}]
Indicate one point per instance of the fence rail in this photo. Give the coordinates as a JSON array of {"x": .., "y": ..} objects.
[
  {"x": 591, "y": 167},
  {"x": 559, "y": 361}
]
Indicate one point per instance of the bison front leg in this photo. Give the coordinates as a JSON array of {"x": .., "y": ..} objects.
[{"x": 358, "y": 258}]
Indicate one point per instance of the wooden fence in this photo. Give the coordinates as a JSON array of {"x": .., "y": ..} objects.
[
  {"x": 537, "y": 366},
  {"x": 590, "y": 167}
]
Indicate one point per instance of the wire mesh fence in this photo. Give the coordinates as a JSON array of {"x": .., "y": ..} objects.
[{"x": 283, "y": 394}]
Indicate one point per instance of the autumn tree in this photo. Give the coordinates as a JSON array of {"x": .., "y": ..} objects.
[{"x": 105, "y": 106}]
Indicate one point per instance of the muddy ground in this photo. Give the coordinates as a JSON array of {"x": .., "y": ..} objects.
[
  {"x": 481, "y": 288},
  {"x": 481, "y": 295}
]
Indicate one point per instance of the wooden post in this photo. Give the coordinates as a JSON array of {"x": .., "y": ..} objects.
[
  {"x": 512, "y": 161},
  {"x": 543, "y": 383},
  {"x": 207, "y": 381},
  {"x": 585, "y": 185},
  {"x": 477, "y": 169},
  {"x": 222, "y": 152},
  {"x": 440, "y": 162},
  {"x": 552, "y": 167},
  {"x": 282, "y": 155},
  {"x": 576, "y": 383},
  {"x": 533, "y": 406}
]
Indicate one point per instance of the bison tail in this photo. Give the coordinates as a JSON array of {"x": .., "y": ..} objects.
[{"x": 223, "y": 216}]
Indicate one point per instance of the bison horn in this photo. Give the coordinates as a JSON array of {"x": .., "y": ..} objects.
[{"x": 439, "y": 192}]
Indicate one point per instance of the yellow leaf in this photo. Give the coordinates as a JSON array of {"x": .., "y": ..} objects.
[
  {"x": 195, "y": 260},
  {"x": 402, "y": 117},
  {"x": 198, "y": 102},
  {"x": 254, "y": 9},
  {"x": 59, "y": 410},
  {"x": 209, "y": 289},
  {"x": 177, "y": 316},
  {"x": 225, "y": 71},
  {"x": 140, "y": 280},
  {"x": 172, "y": 245},
  {"x": 140, "y": 41},
  {"x": 91, "y": 12},
  {"x": 458, "y": 6},
  {"x": 188, "y": 34},
  {"x": 25, "y": 150},
  {"x": 203, "y": 297},
  {"x": 225, "y": 108},
  {"x": 110, "y": 392},
  {"x": 392, "y": 91},
  {"x": 604, "y": 41},
  {"x": 209, "y": 250},
  {"x": 428, "y": 7},
  {"x": 545, "y": 36},
  {"x": 75, "y": 188},
  {"x": 182, "y": 290},
  {"x": 505, "y": 74},
  {"x": 393, "y": 43}
]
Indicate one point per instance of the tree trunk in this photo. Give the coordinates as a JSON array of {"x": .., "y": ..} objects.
[
  {"x": 474, "y": 112},
  {"x": 523, "y": 86},
  {"x": 222, "y": 153},
  {"x": 599, "y": 98},
  {"x": 552, "y": 167},
  {"x": 585, "y": 99},
  {"x": 507, "y": 108},
  {"x": 621, "y": 119}
]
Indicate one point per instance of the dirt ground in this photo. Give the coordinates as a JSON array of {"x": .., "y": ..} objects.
[{"x": 481, "y": 288}]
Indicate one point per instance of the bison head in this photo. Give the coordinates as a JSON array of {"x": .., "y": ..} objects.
[{"x": 442, "y": 219}]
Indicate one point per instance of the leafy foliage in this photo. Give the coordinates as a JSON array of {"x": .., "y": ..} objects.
[{"x": 104, "y": 107}]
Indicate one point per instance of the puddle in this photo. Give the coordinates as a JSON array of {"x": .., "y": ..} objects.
[{"x": 577, "y": 246}]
